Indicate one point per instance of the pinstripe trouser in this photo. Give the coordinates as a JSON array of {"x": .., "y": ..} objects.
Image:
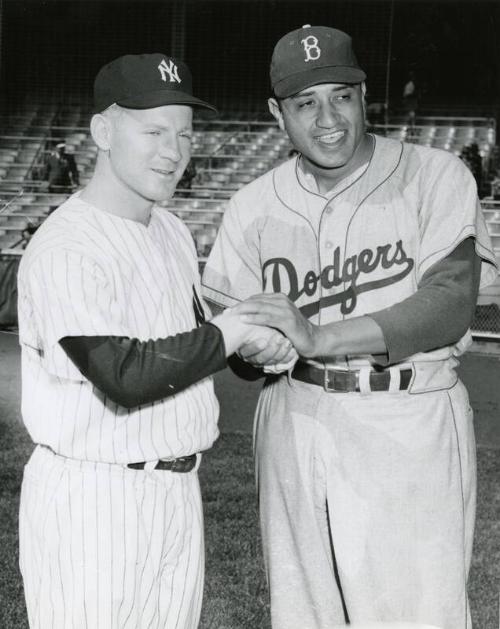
[
  {"x": 383, "y": 482},
  {"x": 103, "y": 546}
]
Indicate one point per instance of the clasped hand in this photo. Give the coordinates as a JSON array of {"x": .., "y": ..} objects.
[{"x": 289, "y": 333}]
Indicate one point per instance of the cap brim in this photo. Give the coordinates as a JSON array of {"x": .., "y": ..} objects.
[
  {"x": 331, "y": 74},
  {"x": 159, "y": 98}
]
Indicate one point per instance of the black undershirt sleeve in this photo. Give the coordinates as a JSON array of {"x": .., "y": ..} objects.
[
  {"x": 439, "y": 313},
  {"x": 134, "y": 373}
]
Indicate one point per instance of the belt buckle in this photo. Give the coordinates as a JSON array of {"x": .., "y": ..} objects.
[{"x": 347, "y": 389}]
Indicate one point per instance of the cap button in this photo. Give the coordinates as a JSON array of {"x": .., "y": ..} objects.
[{"x": 306, "y": 26}]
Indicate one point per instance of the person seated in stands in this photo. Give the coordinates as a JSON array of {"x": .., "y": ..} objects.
[
  {"x": 61, "y": 170},
  {"x": 27, "y": 233}
]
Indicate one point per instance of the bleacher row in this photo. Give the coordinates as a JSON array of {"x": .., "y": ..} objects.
[{"x": 228, "y": 153}]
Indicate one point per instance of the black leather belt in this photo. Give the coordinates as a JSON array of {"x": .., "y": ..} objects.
[
  {"x": 183, "y": 464},
  {"x": 336, "y": 380}
]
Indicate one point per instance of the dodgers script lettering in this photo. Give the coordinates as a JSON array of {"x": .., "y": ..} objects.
[{"x": 283, "y": 277}]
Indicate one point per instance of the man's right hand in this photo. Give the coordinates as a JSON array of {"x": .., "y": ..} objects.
[
  {"x": 258, "y": 345},
  {"x": 277, "y": 350}
]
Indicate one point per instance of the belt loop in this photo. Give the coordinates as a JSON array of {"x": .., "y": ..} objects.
[
  {"x": 149, "y": 466},
  {"x": 364, "y": 381},
  {"x": 198, "y": 462},
  {"x": 395, "y": 380}
]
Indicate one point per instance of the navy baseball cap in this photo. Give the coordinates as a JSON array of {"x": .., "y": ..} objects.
[
  {"x": 312, "y": 55},
  {"x": 144, "y": 82}
]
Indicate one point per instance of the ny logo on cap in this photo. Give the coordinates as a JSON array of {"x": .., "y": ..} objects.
[
  {"x": 170, "y": 69},
  {"x": 311, "y": 48}
]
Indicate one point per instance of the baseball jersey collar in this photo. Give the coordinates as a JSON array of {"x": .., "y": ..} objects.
[
  {"x": 308, "y": 181},
  {"x": 116, "y": 219}
]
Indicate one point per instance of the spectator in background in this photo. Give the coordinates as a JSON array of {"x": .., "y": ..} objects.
[
  {"x": 61, "y": 171},
  {"x": 410, "y": 99},
  {"x": 27, "y": 233}
]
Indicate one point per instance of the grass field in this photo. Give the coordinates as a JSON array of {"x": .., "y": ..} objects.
[{"x": 235, "y": 591}]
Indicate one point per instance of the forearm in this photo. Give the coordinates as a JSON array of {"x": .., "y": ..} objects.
[
  {"x": 439, "y": 313},
  {"x": 132, "y": 372},
  {"x": 359, "y": 335}
]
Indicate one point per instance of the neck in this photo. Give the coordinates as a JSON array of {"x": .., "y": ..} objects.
[{"x": 111, "y": 195}]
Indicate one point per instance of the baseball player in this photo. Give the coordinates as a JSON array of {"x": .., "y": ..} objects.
[
  {"x": 367, "y": 253},
  {"x": 116, "y": 366}
]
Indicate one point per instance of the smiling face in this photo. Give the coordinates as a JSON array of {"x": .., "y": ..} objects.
[
  {"x": 149, "y": 149},
  {"x": 326, "y": 123}
]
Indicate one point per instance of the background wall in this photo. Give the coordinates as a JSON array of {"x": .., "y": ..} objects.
[{"x": 52, "y": 48}]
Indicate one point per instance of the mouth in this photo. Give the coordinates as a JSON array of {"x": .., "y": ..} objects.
[
  {"x": 164, "y": 172},
  {"x": 331, "y": 138}
]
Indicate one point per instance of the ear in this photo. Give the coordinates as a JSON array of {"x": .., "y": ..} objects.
[
  {"x": 100, "y": 128},
  {"x": 275, "y": 110}
]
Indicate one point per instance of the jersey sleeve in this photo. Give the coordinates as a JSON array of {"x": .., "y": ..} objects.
[
  {"x": 132, "y": 372},
  {"x": 438, "y": 313},
  {"x": 232, "y": 272},
  {"x": 450, "y": 213},
  {"x": 69, "y": 295}
]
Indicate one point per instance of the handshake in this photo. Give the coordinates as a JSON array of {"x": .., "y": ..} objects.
[{"x": 267, "y": 331}]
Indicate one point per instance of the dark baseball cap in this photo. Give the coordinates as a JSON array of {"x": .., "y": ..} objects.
[
  {"x": 312, "y": 55},
  {"x": 144, "y": 82}
]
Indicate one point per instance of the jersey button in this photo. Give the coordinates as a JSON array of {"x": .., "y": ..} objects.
[
  {"x": 328, "y": 210},
  {"x": 328, "y": 244}
]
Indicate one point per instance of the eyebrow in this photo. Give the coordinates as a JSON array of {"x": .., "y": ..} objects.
[
  {"x": 337, "y": 88},
  {"x": 163, "y": 127}
]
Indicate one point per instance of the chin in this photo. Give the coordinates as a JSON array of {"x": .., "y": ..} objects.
[
  {"x": 322, "y": 162},
  {"x": 162, "y": 194}
]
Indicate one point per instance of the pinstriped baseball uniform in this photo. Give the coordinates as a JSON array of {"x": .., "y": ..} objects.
[
  {"x": 88, "y": 272},
  {"x": 386, "y": 479}
]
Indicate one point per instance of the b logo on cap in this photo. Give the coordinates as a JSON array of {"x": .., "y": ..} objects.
[
  {"x": 170, "y": 69},
  {"x": 311, "y": 48}
]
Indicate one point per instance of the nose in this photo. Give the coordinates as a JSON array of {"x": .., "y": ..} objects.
[
  {"x": 170, "y": 148},
  {"x": 327, "y": 116}
]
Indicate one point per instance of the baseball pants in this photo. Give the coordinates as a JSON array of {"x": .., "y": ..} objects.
[
  {"x": 367, "y": 505},
  {"x": 106, "y": 547}
]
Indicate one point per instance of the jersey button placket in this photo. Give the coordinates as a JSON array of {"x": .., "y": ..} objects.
[{"x": 324, "y": 253}]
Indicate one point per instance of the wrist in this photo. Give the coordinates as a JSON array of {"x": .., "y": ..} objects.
[
  {"x": 234, "y": 331},
  {"x": 314, "y": 347}
]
